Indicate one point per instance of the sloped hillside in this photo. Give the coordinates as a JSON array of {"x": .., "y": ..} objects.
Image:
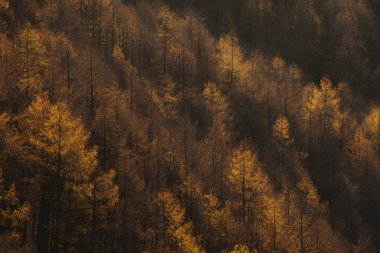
[{"x": 127, "y": 126}]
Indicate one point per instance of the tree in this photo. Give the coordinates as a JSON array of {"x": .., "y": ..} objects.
[
  {"x": 178, "y": 230},
  {"x": 331, "y": 114},
  {"x": 279, "y": 66},
  {"x": 372, "y": 129},
  {"x": 218, "y": 133},
  {"x": 245, "y": 176},
  {"x": 218, "y": 223},
  {"x": 4, "y": 120},
  {"x": 104, "y": 198},
  {"x": 281, "y": 132},
  {"x": 219, "y": 110},
  {"x": 168, "y": 99},
  {"x": 56, "y": 144},
  {"x": 5, "y": 14},
  {"x": 282, "y": 137},
  {"x": 32, "y": 60},
  {"x": 312, "y": 106},
  {"x": 230, "y": 60},
  {"x": 239, "y": 248},
  {"x": 165, "y": 29},
  {"x": 309, "y": 209},
  {"x": 13, "y": 216},
  {"x": 4, "y": 5}
]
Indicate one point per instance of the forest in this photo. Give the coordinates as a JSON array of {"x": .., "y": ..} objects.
[{"x": 189, "y": 126}]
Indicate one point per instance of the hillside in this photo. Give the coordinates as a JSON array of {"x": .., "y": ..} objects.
[
  {"x": 189, "y": 126},
  {"x": 325, "y": 37}
]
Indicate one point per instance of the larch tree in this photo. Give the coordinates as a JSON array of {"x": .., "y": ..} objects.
[
  {"x": 218, "y": 107},
  {"x": 282, "y": 138},
  {"x": 179, "y": 231},
  {"x": 281, "y": 132},
  {"x": 240, "y": 248},
  {"x": 230, "y": 60},
  {"x": 311, "y": 104},
  {"x": 218, "y": 222},
  {"x": 32, "y": 61},
  {"x": 6, "y": 47},
  {"x": 13, "y": 216},
  {"x": 309, "y": 210},
  {"x": 278, "y": 65},
  {"x": 56, "y": 146},
  {"x": 4, "y": 12},
  {"x": 360, "y": 153},
  {"x": 4, "y": 124},
  {"x": 331, "y": 114},
  {"x": 103, "y": 200},
  {"x": 4, "y": 5},
  {"x": 372, "y": 129},
  {"x": 165, "y": 29},
  {"x": 167, "y": 99},
  {"x": 218, "y": 134},
  {"x": 245, "y": 177}
]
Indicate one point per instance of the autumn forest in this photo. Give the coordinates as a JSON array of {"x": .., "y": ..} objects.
[{"x": 189, "y": 126}]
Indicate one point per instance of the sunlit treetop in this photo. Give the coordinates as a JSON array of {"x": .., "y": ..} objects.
[
  {"x": 4, "y": 5},
  {"x": 281, "y": 131},
  {"x": 239, "y": 248}
]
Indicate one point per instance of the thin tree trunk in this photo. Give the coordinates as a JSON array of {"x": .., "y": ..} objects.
[
  {"x": 158, "y": 165},
  {"x": 232, "y": 61},
  {"x": 274, "y": 225},
  {"x": 6, "y": 70},
  {"x": 58, "y": 200},
  {"x": 125, "y": 218},
  {"x": 104, "y": 139},
  {"x": 301, "y": 229},
  {"x": 94, "y": 217},
  {"x": 68, "y": 69},
  {"x": 131, "y": 92},
  {"x": 51, "y": 13},
  {"x": 113, "y": 26},
  {"x": 27, "y": 66},
  {"x": 243, "y": 190},
  {"x": 91, "y": 86}
]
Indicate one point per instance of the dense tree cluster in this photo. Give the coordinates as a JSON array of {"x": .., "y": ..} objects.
[
  {"x": 337, "y": 38},
  {"x": 126, "y": 126}
]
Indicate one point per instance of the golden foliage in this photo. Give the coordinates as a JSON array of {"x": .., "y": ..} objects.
[
  {"x": 239, "y": 248},
  {"x": 281, "y": 132},
  {"x": 51, "y": 134},
  {"x": 178, "y": 229},
  {"x": 4, "y": 5},
  {"x": 230, "y": 60},
  {"x": 245, "y": 165},
  {"x": 13, "y": 216}
]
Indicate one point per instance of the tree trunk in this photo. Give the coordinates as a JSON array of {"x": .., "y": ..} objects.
[
  {"x": 6, "y": 71},
  {"x": 91, "y": 86},
  {"x": 51, "y": 13},
  {"x": 232, "y": 62},
  {"x": 274, "y": 225},
  {"x": 113, "y": 26},
  {"x": 243, "y": 190},
  {"x": 158, "y": 165},
  {"x": 58, "y": 200},
  {"x": 68, "y": 69},
  {"x": 94, "y": 215},
  {"x": 43, "y": 231},
  {"x": 131, "y": 92},
  {"x": 301, "y": 229},
  {"x": 27, "y": 66}
]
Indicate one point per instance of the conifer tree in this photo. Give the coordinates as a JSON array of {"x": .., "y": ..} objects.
[{"x": 179, "y": 231}]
